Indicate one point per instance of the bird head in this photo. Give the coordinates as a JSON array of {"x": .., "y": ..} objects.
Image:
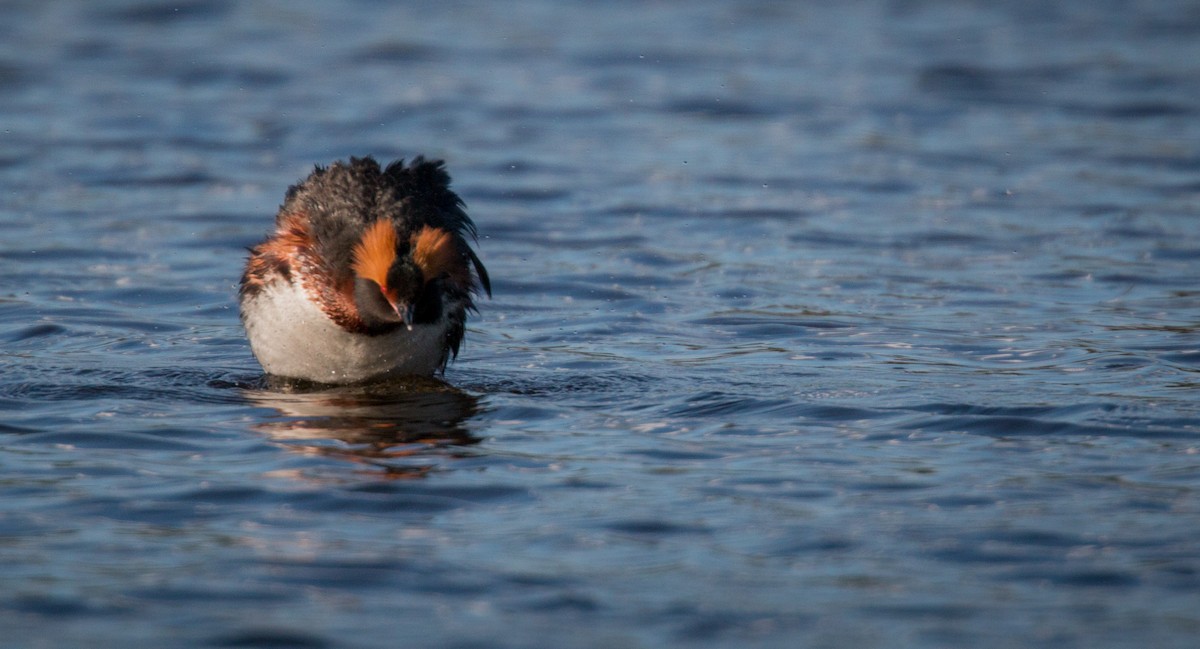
[{"x": 392, "y": 275}]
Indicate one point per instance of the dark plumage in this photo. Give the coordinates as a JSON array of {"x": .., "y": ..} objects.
[{"x": 380, "y": 254}]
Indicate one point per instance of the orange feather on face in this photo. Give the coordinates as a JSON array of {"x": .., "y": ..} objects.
[
  {"x": 376, "y": 252},
  {"x": 437, "y": 255}
]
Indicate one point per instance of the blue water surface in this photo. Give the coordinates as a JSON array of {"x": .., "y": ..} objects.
[{"x": 866, "y": 324}]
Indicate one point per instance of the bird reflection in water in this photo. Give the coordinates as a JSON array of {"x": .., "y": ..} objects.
[{"x": 403, "y": 428}]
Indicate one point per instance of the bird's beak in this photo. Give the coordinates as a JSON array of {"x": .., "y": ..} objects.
[{"x": 405, "y": 311}]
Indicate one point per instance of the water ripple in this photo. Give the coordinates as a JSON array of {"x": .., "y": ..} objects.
[{"x": 791, "y": 344}]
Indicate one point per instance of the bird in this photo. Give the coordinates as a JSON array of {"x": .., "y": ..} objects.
[{"x": 367, "y": 274}]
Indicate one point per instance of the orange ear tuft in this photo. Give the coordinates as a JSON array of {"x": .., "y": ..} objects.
[
  {"x": 436, "y": 254},
  {"x": 374, "y": 254}
]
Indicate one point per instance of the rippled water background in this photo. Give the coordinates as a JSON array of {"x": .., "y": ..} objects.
[{"x": 868, "y": 325}]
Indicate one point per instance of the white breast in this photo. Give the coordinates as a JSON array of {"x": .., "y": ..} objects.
[{"x": 292, "y": 337}]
